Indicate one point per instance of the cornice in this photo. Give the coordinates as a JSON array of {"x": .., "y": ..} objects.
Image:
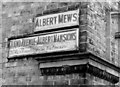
[{"x": 85, "y": 68}]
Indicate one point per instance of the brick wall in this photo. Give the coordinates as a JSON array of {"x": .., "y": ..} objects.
[
  {"x": 26, "y": 72},
  {"x": 98, "y": 29},
  {"x": 114, "y": 42},
  {"x": 93, "y": 26},
  {"x": 22, "y": 72},
  {"x": 17, "y": 19}
]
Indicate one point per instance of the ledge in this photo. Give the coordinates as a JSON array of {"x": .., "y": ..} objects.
[
  {"x": 77, "y": 55},
  {"x": 85, "y": 68}
]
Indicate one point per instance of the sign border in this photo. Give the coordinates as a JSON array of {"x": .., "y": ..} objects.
[{"x": 40, "y": 34}]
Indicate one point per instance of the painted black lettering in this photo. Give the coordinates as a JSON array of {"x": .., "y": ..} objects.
[
  {"x": 27, "y": 42},
  {"x": 44, "y": 22},
  {"x": 45, "y": 39},
  {"x": 24, "y": 42},
  {"x": 64, "y": 38},
  {"x": 32, "y": 41},
  {"x": 55, "y": 18},
  {"x": 69, "y": 17},
  {"x": 17, "y": 45},
  {"x": 75, "y": 17},
  {"x": 49, "y": 38},
  {"x": 36, "y": 23},
  {"x": 61, "y": 37},
  {"x": 14, "y": 43},
  {"x": 68, "y": 36},
  {"x": 48, "y": 21},
  {"x": 56, "y": 38},
  {"x": 39, "y": 40},
  {"x": 51, "y": 21},
  {"x": 11, "y": 44},
  {"x": 60, "y": 19},
  {"x": 65, "y": 18},
  {"x": 73, "y": 36}
]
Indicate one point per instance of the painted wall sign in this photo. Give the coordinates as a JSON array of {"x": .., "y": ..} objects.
[
  {"x": 53, "y": 21},
  {"x": 45, "y": 43}
]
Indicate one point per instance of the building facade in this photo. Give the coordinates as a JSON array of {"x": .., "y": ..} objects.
[{"x": 60, "y": 43}]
